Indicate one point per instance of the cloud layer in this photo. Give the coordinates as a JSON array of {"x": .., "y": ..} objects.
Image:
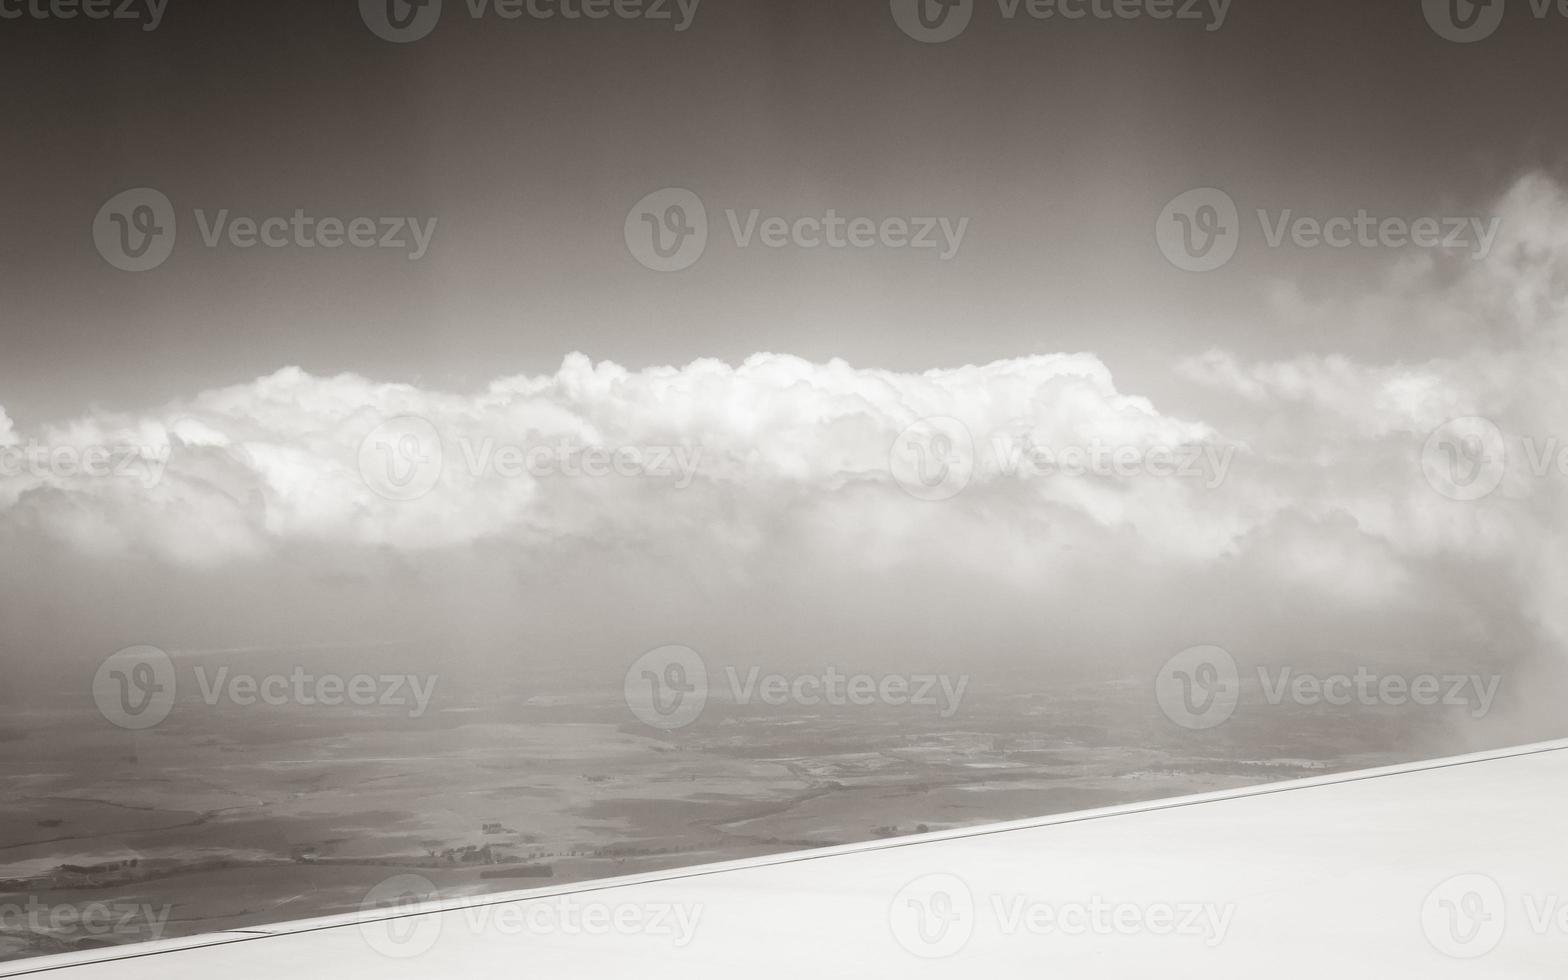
[{"x": 1300, "y": 512}]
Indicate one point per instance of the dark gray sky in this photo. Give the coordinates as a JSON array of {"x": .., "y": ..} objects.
[{"x": 530, "y": 140}]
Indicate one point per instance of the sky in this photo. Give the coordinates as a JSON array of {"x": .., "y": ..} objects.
[
  {"x": 264, "y": 396},
  {"x": 528, "y": 140}
]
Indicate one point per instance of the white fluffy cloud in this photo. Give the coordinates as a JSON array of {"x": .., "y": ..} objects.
[
  {"x": 233, "y": 472},
  {"x": 1309, "y": 503}
]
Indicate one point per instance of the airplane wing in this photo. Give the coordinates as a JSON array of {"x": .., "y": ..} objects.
[{"x": 1452, "y": 868}]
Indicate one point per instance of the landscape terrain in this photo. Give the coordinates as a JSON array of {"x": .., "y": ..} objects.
[{"x": 227, "y": 817}]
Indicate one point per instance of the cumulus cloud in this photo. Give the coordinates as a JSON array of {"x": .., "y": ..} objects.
[
  {"x": 762, "y": 502},
  {"x": 233, "y": 472},
  {"x": 1350, "y": 427}
]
